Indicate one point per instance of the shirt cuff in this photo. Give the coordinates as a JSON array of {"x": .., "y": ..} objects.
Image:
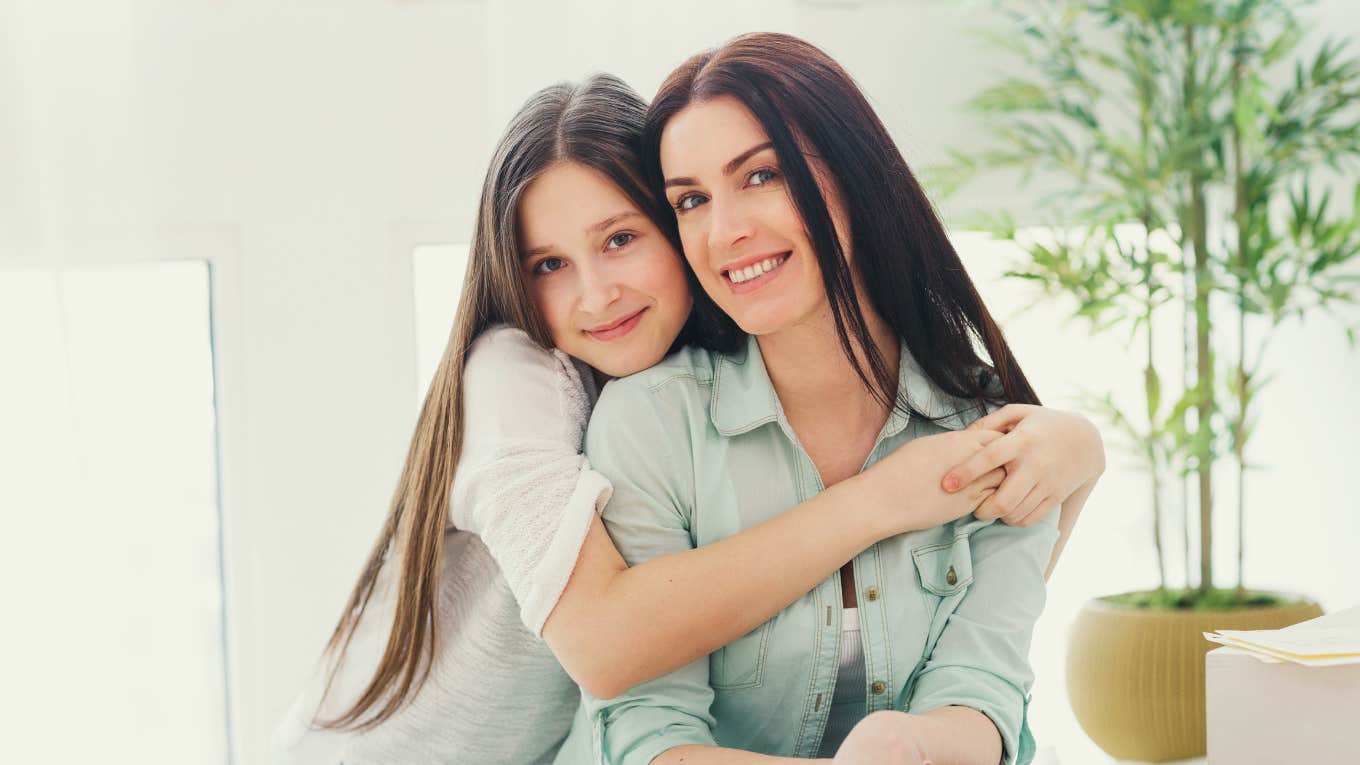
[
  {"x": 640, "y": 740},
  {"x": 997, "y": 698},
  {"x": 559, "y": 560}
]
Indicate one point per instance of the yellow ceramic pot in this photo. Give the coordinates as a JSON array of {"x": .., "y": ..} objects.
[{"x": 1135, "y": 677}]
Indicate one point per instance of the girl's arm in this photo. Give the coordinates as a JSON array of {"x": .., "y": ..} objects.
[
  {"x": 1051, "y": 457},
  {"x": 615, "y": 626}
]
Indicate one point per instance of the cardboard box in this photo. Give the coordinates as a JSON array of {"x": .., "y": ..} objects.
[{"x": 1267, "y": 714}]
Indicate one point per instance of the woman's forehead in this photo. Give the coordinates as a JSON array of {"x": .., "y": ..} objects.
[{"x": 705, "y": 136}]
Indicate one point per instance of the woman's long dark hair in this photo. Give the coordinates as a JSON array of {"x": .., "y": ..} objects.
[
  {"x": 597, "y": 124},
  {"x": 906, "y": 264}
]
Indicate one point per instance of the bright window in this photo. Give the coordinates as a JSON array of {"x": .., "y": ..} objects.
[{"x": 110, "y": 556}]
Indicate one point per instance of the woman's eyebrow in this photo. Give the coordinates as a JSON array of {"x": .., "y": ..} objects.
[{"x": 728, "y": 169}]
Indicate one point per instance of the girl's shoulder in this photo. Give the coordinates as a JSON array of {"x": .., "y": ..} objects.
[
  {"x": 513, "y": 384},
  {"x": 505, "y": 350}
]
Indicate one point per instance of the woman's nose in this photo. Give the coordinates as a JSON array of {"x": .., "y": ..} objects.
[{"x": 728, "y": 226}]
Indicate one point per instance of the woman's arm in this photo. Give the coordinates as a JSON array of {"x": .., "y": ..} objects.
[
  {"x": 1051, "y": 457},
  {"x": 712, "y": 755},
  {"x": 615, "y": 626},
  {"x": 944, "y": 736}
]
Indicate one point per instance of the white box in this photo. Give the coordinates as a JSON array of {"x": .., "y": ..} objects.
[{"x": 1266, "y": 714}]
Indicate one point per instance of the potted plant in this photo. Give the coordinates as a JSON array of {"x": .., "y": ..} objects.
[{"x": 1188, "y": 183}]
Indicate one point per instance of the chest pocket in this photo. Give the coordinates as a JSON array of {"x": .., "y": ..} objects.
[
  {"x": 741, "y": 663},
  {"x": 945, "y": 571}
]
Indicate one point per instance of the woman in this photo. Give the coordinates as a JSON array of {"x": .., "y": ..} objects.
[
  {"x": 841, "y": 324},
  {"x": 493, "y": 565}
]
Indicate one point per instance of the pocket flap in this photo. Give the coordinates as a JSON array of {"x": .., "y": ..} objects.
[{"x": 945, "y": 568}]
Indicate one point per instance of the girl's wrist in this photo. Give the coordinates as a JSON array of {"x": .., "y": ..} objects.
[{"x": 878, "y": 512}]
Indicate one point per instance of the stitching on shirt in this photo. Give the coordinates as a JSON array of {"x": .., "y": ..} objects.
[
  {"x": 812, "y": 676},
  {"x": 883, "y": 622},
  {"x": 654, "y": 387}
]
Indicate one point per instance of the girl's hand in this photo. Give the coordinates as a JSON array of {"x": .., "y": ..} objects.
[
  {"x": 904, "y": 482},
  {"x": 1047, "y": 455}
]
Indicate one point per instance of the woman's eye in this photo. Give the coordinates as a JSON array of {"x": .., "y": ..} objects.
[
  {"x": 548, "y": 265},
  {"x": 761, "y": 177},
  {"x": 689, "y": 202},
  {"x": 621, "y": 239}
]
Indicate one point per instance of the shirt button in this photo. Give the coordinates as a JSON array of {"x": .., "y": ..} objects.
[
  {"x": 871, "y": 593},
  {"x": 878, "y": 687},
  {"x": 951, "y": 577}
]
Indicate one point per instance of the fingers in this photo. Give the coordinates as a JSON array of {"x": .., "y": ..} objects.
[
  {"x": 1009, "y": 495},
  {"x": 1027, "y": 506},
  {"x": 1041, "y": 512},
  {"x": 990, "y": 480},
  {"x": 981, "y": 500},
  {"x": 1002, "y": 419},
  {"x": 992, "y": 456}
]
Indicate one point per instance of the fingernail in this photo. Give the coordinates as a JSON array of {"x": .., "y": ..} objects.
[{"x": 951, "y": 482}]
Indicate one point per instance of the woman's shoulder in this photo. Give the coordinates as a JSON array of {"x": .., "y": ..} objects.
[
  {"x": 681, "y": 381},
  {"x": 690, "y": 366}
]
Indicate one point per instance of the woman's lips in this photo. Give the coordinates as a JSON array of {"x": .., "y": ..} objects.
[
  {"x": 759, "y": 280},
  {"x": 617, "y": 329}
]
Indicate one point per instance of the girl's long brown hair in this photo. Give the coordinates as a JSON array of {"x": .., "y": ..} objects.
[
  {"x": 598, "y": 124},
  {"x": 910, "y": 271}
]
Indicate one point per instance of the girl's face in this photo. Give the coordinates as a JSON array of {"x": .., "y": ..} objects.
[
  {"x": 740, "y": 228},
  {"x": 606, "y": 281}
]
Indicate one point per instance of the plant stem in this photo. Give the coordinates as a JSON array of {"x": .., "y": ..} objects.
[
  {"x": 1203, "y": 363},
  {"x": 1240, "y": 219}
]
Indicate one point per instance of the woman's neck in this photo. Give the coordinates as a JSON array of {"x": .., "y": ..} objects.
[{"x": 813, "y": 377}]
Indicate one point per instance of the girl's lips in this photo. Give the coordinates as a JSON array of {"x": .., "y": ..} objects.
[
  {"x": 617, "y": 330},
  {"x": 751, "y": 285}
]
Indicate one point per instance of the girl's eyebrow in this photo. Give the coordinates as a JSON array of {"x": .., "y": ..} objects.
[
  {"x": 728, "y": 169},
  {"x": 611, "y": 220},
  {"x": 594, "y": 229}
]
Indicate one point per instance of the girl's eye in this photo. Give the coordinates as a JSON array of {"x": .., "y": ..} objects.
[
  {"x": 761, "y": 177},
  {"x": 620, "y": 240},
  {"x": 548, "y": 265},
  {"x": 689, "y": 202}
]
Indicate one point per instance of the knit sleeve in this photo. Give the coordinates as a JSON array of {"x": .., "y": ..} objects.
[{"x": 522, "y": 483}]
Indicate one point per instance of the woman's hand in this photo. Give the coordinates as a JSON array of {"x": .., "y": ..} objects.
[
  {"x": 1047, "y": 455},
  {"x": 903, "y": 482},
  {"x": 882, "y": 737}
]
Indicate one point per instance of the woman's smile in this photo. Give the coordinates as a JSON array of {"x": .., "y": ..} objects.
[{"x": 751, "y": 274}]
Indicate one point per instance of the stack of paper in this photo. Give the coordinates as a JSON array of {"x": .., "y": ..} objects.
[{"x": 1322, "y": 642}]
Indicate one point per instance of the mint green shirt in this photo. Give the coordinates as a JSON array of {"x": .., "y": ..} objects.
[{"x": 698, "y": 449}]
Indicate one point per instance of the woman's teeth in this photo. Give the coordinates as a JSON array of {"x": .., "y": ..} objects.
[{"x": 740, "y": 275}]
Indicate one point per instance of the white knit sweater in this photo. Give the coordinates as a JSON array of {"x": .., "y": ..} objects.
[{"x": 522, "y": 501}]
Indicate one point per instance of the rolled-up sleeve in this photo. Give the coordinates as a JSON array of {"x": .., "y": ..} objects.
[
  {"x": 522, "y": 484},
  {"x": 981, "y": 659},
  {"x": 642, "y": 448}
]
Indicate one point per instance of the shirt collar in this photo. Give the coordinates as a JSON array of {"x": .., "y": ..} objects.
[{"x": 744, "y": 398}]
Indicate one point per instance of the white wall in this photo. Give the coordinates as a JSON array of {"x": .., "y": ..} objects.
[{"x": 305, "y": 147}]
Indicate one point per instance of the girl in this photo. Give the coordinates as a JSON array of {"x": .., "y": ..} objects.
[
  {"x": 840, "y": 325},
  {"x": 493, "y": 565}
]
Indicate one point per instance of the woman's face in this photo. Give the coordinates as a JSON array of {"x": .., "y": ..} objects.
[
  {"x": 740, "y": 228},
  {"x": 607, "y": 282}
]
